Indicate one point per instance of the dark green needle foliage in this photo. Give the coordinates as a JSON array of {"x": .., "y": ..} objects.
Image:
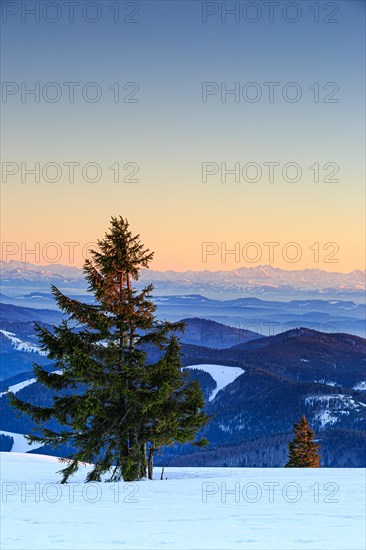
[{"x": 114, "y": 406}]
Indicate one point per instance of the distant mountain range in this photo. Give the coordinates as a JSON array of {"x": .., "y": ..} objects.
[
  {"x": 274, "y": 380},
  {"x": 279, "y": 372},
  {"x": 25, "y": 271},
  {"x": 298, "y": 372},
  {"x": 19, "y": 344},
  {"x": 265, "y": 317},
  {"x": 268, "y": 317},
  {"x": 261, "y": 281}
]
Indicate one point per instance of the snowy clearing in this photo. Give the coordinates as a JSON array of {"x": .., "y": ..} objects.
[
  {"x": 223, "y": 375},
  {"x": 19, "y": 345},
  {"x": 267, "y": 509},
  {"x": 20, "y": 444}
]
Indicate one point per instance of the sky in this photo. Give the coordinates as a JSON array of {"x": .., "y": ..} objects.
[{"x": 160, "y": 109}]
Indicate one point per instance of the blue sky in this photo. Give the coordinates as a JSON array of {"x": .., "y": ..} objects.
[{"x": 170, "y": 132}]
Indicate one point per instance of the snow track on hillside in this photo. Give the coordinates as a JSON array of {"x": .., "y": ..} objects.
[
  {"x": 223, "y": 375},
  {"x": 19, "y": 345}
]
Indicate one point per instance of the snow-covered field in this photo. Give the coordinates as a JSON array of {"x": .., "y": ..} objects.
[
  {"x": 20, "y": 444},
  {"x": 208, "y": 508},
  {"x": 222, "y": 375}
]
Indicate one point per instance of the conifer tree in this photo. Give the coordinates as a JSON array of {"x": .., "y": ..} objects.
[
  {"x": 114, "y": 407},
  {"x": 172, "y": 408},
  {"x": 303, "y": 451}
]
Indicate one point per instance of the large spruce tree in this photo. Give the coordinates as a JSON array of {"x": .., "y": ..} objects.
[
  {"x": 115, "y": 407},
  {"x": 303, "y": 451}
]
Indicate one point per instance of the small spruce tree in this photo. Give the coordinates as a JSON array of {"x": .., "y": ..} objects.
[
  {"x": 303, "y": 451},
  {"x": 114, "y": 407},
  {"x": 173, "y": 408}
]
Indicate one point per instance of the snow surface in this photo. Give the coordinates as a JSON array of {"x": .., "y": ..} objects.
[
  {"x": 17, "y": 387},
  {"x": 222, "y": 375},
  {"x": 20, "y": 444},
  {"x": 334, "y": 406},
  {"x": 19, "y": 345},
  {"x": 38, "y": 513},
  {"x": 326, "y": 382},
  {"x": 361, "y": 386}
]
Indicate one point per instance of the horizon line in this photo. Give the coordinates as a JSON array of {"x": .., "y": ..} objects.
[{"x": 268, "y": 266}]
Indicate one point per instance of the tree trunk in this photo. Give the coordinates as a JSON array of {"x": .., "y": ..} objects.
[
  {"x": 150, "y": 462},
  {"x": 132, "y": 467},
  {"x": 143, "y": 463},
  {"x": 124, "y": 460}
]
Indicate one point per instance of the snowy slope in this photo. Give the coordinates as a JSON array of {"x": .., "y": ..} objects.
[
  {"x": 19, "y": 345},
  {"x": 20, "y": 444},
  {"x": 328, "y": 409},
  {"x": 187, "y": 511},
  {"x": 222, "y": 375},
  {"x": 17, "y": 387}
]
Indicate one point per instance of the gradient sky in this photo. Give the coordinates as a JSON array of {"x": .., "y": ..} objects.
[{"x": 169, "y": 52}]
